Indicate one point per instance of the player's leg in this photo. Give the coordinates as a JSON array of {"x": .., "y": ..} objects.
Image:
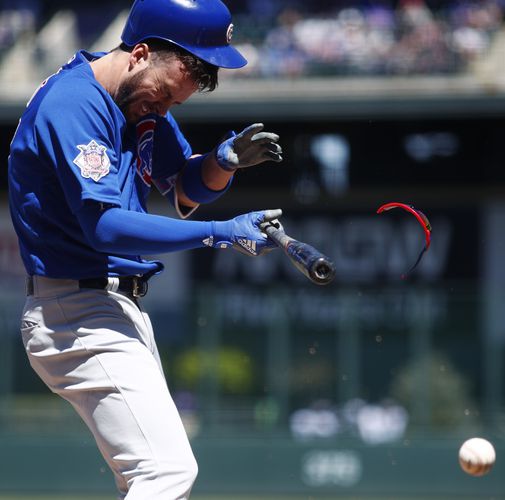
[{"x": 98, "y": 352}]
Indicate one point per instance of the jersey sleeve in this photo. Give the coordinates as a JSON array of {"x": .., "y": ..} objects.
[
  {"x": 78, "y": 132},
  {"x": 171, "y": 150}
]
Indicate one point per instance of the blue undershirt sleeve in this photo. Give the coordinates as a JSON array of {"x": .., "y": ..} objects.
[
  {"x": 193, "y": 185},
  {"x": 115, "y": 230}
]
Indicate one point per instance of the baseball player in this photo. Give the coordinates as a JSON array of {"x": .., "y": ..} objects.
[{"x": 94, "y": 139}]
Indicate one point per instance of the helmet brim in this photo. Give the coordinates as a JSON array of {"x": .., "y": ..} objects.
[{"x": 224, "y": 57}]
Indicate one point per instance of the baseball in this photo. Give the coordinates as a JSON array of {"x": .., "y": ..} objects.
[{"x": 477, "y": 456}]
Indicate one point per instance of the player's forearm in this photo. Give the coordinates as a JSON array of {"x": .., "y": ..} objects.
[
  {"x": 213, "y": 175},
  {"x": 125, "y": 232},
  {"x": 131, "y": 233},
  {"x": 202, "y": 181}
]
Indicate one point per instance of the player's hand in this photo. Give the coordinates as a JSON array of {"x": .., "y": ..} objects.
[
  {"x": 244, "y": 233},
  {"x": 250, "y": 147}
]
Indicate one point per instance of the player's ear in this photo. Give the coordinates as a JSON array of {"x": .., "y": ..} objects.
[{"x": 138, "y": 55}]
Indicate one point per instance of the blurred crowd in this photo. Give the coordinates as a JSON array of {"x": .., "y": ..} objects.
[
  {"x": 292, "y": 38},
  {"x": 371, "y": 38},
  {"x": 16, "y": 19}
]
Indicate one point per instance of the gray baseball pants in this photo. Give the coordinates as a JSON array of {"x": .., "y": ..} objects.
[{"x": 96, "y": 349}]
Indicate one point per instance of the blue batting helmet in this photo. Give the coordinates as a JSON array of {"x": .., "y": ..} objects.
[{"x": 202, "y": 27}]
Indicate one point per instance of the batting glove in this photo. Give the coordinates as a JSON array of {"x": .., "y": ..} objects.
[
  {"x": 250, "y": 147},
  {"x": 244, "y": 233}
]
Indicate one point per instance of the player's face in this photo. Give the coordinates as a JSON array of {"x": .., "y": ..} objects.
[{"x": 154, "y": 89}]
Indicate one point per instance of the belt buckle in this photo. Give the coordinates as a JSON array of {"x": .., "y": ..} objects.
[{"x": 139, "y": 288}]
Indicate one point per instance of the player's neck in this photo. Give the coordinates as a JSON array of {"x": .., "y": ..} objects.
[{"x": 107, "y": 70}]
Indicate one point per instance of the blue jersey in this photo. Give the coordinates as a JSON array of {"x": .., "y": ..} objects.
[{"x": 73, "y": 146}]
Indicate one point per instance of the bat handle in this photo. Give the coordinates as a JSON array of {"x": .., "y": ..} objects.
[{"x": 277, "y": 235}]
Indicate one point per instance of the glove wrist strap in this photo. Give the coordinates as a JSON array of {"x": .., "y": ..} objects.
[{"x": 225, "y": 155}]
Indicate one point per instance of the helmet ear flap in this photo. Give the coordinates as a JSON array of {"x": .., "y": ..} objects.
[{"x": 202, "y": 27}]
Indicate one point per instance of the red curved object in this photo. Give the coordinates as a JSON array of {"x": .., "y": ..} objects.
[{"x": 422, "y": 219}]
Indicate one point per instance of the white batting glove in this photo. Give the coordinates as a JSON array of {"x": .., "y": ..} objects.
[{"x": 250, "y": 147}]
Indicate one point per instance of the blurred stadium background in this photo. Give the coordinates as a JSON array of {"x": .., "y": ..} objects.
[{"x": 364, "y": 389}]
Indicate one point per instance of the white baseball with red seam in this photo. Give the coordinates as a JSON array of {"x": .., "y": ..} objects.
[{"x": 477, "y": 456}]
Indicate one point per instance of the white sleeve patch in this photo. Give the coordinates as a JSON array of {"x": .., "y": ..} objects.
[{"x": 92, "y": 160}]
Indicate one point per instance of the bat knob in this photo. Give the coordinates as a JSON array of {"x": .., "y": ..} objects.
[{"x": 322, "y": 271}]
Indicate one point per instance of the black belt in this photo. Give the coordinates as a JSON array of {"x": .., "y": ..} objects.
[{"x": 134, "y": 286}]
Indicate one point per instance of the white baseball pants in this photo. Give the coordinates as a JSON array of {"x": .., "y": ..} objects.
[{"x": 97, "y": 350}]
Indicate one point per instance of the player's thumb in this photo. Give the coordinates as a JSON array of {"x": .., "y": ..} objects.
[{"x": 269, "y": 215}]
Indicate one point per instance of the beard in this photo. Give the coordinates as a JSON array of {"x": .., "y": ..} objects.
[{"x": 126, "y": 94}]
